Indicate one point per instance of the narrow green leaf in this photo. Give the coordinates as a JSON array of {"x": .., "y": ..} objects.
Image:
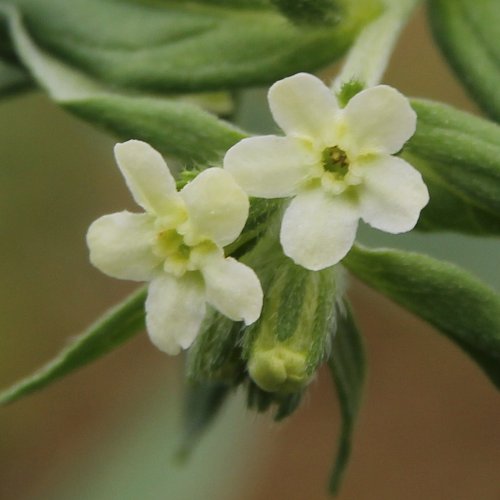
[
  {"x": 183, "y": 46},
  {"x": 458, "y": 155},
  {"x": 459, "y": 305},
  {"x": 115, "y": 327},
  {"x": 347, "y": 365},
  {"x": 467, "y": 32},
  {"x": 13, "y": 78},
  {"x": 173, "y": 126},
  {"x": 202, "y": 403}
]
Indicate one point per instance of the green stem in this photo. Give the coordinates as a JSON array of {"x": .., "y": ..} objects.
[{"x": 370, "y": 54}]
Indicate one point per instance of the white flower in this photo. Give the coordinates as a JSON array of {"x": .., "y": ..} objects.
[
  {"x": 177, "y": 245},
  {"x": 337, "y": 165}
]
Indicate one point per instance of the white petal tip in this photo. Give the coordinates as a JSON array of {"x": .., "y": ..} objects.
[
  {"x": 317, "y": 265},
  {"x": 174, "y": 312},
  {"x": 171, "y": 350},
  {"x": 253, "y": 315},
  {"x": 129, "y": 145},
  {"x": 233, "y": 289}
]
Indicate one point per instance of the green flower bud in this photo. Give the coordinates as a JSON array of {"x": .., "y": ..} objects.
[
  {"x": 216, "y": 355},
  {"x": 293, "y": 336},
  {"x": 279, "y": 369}
]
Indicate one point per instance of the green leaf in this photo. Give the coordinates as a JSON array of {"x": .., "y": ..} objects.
[
  {"x": 347, "y": 365},
  {"x": 112, "y": 329},
  {"x": 235, "y": 4},
  {"x": 458, "y": 155},
  {"x": 202, "y": 403},
  {"x": 467, "y": 32},
  {"x": 183, "y": 46},
  {"x": 311, "y": 11},
  {"x": 13, "y": 78},
  {"x": 175, "y": 127},
  {"x": 457, "y": 304}
]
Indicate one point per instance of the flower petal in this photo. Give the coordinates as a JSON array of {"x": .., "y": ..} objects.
[
  {"x": 392, "y": 194},
  {"x": 233, "y": 289},
  {"x": 175, "y": 309},
  {"x": 378, "y": 120},
  {"x": 147, "y": 176},
  {"x": 318, "y": 229},
  {"x": 217, "y": 206},
  {"x": 270, "y": 166},
  {"x": 120, "y": 246},
  {"x": 304, "y": 106}
]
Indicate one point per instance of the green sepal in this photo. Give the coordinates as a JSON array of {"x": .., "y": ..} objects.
[
  {"x": 216, "y": 355},
  {"x": 257, "y": 399},
  {"x": 348, "y": 90},
  {"x": 111, "y": 330},
  {"x": 347, "y": 365},
  {"x": 467, "y": 33},
  {"x": 457, "y": 304},
  {"x": 202, "y": 403},
  {"x": 458, "y": 155},
  {"x": 261, "y": 214},
  {"x": 262, "y": 401},
  {"x": 286, "y": 405}
]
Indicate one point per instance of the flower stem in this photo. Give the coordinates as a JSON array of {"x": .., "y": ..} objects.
[{"x": 370, "y": 54}]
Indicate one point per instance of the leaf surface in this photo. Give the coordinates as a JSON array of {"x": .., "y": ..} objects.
[
  {"x": 178, "y": 46},
  {"x": 458, "y": 155},
  {"x": 347, "y": 365},
  {"x": 456, "y": 303},
  {"x": 468, "y": 32}
]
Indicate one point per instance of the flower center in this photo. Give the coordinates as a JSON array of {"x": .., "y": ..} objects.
[
  {"x": 335, "y": 161},
  {"x": 179, "y": 256},
  {"x": 170, "y": 245}
]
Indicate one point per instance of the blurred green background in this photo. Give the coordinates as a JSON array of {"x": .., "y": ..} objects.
[{"x": 429, "y": 426}]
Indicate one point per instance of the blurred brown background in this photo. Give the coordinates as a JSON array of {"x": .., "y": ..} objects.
[{"x": 429, "y": 428}]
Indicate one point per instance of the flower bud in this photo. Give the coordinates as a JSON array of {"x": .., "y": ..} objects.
[{"x": 291, "y": 339}]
